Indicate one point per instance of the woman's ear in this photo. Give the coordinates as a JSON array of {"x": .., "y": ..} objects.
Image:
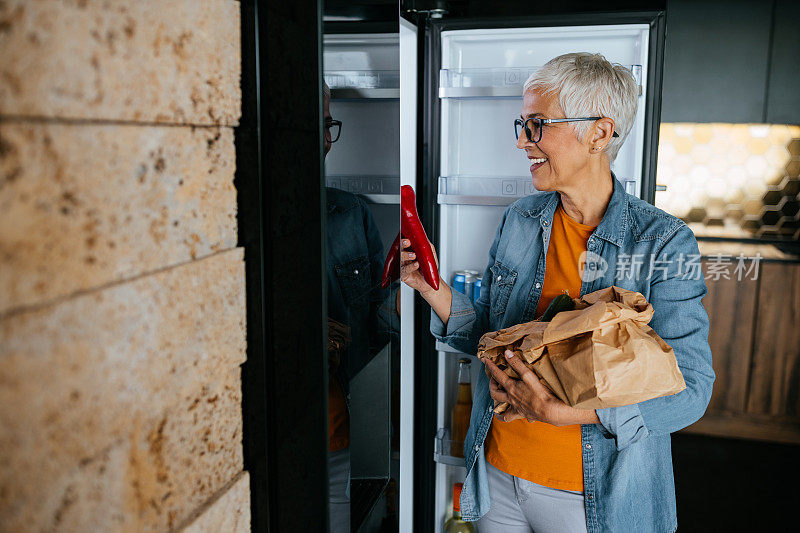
[{"x": 603, "y": 132}]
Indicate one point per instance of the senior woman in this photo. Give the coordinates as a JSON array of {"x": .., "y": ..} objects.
[{"x": 543, "y": 465}]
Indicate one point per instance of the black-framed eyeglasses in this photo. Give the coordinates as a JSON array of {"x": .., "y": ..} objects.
[
  {"x": 333, "y": 128},
  {"x": 533, "y": 126}
]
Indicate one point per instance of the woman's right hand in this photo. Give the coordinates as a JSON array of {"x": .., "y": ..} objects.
[
  {"x": 409, "y": 268},
  {"x": 441, "y": 300}
]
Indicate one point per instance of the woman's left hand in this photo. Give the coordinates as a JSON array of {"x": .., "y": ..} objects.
[{"x": 527, "y": 396}]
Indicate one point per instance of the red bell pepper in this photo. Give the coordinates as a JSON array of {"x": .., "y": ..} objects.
[{"x": 411, "y": 228}]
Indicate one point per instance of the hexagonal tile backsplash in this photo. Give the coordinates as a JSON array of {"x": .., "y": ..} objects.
[{"x": 732, "y": 180}]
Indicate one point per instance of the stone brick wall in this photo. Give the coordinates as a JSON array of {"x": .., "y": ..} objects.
[{"x": 122, "y": 310}]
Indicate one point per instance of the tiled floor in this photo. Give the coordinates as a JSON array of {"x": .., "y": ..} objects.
[{"x": 735, "y": 485}]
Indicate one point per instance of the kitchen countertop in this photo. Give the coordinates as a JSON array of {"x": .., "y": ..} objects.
[{"x": 788, "y": 252}]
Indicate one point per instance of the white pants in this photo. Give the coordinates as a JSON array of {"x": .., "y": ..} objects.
[
  {"x": 520, "y": 506},
  {"x": 339, "y": 490}
]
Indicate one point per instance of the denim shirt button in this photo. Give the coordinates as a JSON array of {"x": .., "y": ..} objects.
[
  {"x": 544, "y": 223},
  {"x": 490, "y": 409},
  {"x": 588, "y": 446},
  {"x": 538, "y": 285},
  {"x": 355, "y": 272},
  {"x": 477, "y": 447},
  {"x": 590, "y": 496}
]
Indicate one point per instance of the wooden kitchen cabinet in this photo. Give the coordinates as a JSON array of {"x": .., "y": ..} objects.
[
  {"x": 755, "y": 345},
  {"x": 775, "y": 378}
]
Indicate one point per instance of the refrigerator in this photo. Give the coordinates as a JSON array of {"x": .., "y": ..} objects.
[{"x": 459, "y": 152}]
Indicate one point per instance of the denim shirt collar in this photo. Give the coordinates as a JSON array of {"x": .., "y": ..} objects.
[{"x": 612, "y": 227}]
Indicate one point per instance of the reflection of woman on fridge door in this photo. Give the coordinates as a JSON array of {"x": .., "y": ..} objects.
[{"x": 543, "y": 465}]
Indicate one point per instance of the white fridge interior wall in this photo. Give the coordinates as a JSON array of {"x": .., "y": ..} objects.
[
  {"x": 477, "y": 134},
  {"x": 482, "y": 171}
]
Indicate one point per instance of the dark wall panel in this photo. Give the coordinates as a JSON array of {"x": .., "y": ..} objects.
[
  {"x": 783, "y": 105},
  {"x": 716, "y": 60}
]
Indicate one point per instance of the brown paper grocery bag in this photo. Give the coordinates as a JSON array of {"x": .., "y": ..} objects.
[{"x": 602, "y": 354}]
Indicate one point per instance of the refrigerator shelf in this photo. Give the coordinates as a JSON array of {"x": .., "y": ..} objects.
[
  {"x": 483, "y": 190},
  {"x": 363, "y": 84},
  {"x": 442, "y": 347},
  {"x": 393, "y": 199},
  {"x": 457, "y": 199},
  {"x": 441, "y": 449},
  {"x": 376, "y": 189},
  {"x": 495, "y": 82},
  {"x": 365, "y": 94}
]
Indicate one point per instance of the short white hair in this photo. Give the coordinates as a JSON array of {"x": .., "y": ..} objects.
[{"x": 588, "y": 85}]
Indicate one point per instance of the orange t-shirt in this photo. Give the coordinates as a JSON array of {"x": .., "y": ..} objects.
[
  {"x": 536, "y": 451},
  {"x": 338, "y": 418}
]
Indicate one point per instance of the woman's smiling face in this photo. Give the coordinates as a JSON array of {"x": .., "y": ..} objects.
[{"x": 564, "y": 155}]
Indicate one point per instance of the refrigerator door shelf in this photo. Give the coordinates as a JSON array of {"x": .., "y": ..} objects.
[
  {"x": 495, "y": 82},
  {"x": 363, "y": 84},
  {"x": 441, "y": 449}
]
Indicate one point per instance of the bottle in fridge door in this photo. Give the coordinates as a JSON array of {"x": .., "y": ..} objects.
[
  {"x": 462, "y": 409},
  {"x": 455, "y": 524}
]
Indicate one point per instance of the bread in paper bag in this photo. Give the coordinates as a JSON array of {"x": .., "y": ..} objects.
[{"x": 602, "y": 354}]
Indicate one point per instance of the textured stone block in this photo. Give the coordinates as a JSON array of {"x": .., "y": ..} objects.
[
  {"x": 229, "y": 510},
  {"x": 80, "y": 379},
  {"x": 151, "y": 480},
  {"x": 175, "y": 61},
  {"x": 85, "y": 205}
]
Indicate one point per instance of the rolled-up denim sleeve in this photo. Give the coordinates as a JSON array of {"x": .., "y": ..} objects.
[
  {"x": 676, "y": 293},
  {"x": 469, "y": 320},
  {"x": 463, "y": 320}
]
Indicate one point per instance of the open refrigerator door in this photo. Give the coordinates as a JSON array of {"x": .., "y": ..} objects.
[
  {"x": 408, "y": 173},
  {"x": 362, "y": 72},
  {"x": 477, "y": 76}
]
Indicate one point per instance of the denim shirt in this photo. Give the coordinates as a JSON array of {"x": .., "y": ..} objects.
[
  {"x": 355, "y": 268},
  {"x": 627, "y": 460}
]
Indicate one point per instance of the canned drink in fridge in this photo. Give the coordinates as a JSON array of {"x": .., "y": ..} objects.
[
  {"x": 459, "y": 281},
  {"x": 469, "y": 282},
  {"x": 476, "y": 288}
]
